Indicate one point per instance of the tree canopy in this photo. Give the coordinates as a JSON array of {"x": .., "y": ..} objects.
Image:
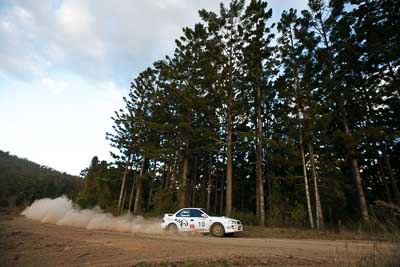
[
  {"x": 22, "y": 181},
  {"x": 293, "y": 122}
]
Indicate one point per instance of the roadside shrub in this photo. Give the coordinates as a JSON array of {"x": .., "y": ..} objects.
[
  {"x": 246, "y": 217},
  {"x": 163, "y": 202},
  {"x": 296, "y": 215},
  {"x": 385, "y": 217}
]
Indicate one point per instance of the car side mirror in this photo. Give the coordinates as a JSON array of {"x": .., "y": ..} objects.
[{"x": 204, "y": 215}]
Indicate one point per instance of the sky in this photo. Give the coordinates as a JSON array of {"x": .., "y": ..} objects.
[{"x": 66, "y": 64}]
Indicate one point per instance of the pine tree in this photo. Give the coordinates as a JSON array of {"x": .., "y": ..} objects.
[
  {"x": 293, "y": 55},
  {"x": 224, "y": 30},
  {"x": 256, "y": 39},
  {"x": 323, "y": 19},
  {"x": 227, "y": 111}
]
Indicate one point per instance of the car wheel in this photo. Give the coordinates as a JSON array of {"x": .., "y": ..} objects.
[
  {"x": 217, "y": 230},
  {"x": 172, "y": 228}
]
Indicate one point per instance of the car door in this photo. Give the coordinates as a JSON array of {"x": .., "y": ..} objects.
[
  {"x": 197, "y": 220},
  {"x": 182, "y": 219}
]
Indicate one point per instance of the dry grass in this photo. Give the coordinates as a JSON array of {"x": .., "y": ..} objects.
[
  {"x": 377, "y": 258},
  {"x": 274, "y": 232}
]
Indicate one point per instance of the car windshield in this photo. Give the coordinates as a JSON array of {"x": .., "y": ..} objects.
[{"x": 208, "y": 212}]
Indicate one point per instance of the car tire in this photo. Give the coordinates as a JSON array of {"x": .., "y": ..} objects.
[
  {"x": 217, "y": 230},
  {"x": 172, "y": 228}
]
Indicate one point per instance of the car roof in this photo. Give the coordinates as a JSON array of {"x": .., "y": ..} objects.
[{"x": 190, "y": 209}]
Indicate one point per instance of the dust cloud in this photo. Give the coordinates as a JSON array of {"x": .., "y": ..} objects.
[{"x": 61, "y": 211}]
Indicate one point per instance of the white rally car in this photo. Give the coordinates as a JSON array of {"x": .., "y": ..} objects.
[{"x": 199, "y": 220}]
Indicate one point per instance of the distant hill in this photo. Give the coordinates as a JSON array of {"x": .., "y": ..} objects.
[{"x": 22, "y": 181}]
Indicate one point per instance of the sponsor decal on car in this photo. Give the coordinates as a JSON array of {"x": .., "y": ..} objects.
[{"x": 182, "y": 222}]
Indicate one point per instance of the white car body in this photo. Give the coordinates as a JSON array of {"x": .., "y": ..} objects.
[{"x": 195, "y": 219}]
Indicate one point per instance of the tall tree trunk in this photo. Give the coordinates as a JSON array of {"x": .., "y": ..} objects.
[
  {"x": 257, "y": 201},
  {"x": 259, "y": 160},
  {"x": 387, "y": 190},
  {"x": 229, "y": 157},
  {"x": 204, "y": 185},
  {"x": 183, "y": 194},
  {"x": 123, "y": 184},
  {"x": 149, "y": 198},
  {"x": 389, "y": 170},
  {"x": 299, "y": 107},
  {"x": 318, "y": 208},
  {"x": 382, "y": 176},
  {"x": 310, "y": 214},
  {"x": 138, "y": 198},
  {"x": 354, "y": 165},
  {"x": 174, "y": 173},
  {"x": 209, "y": 186},
  {"x": 221, "y": 200},
  {"x": 132, "y": 191},
  {"x": 167, "y": 175},
  {"x": 351, "y": 154},
  {"x": 270, "y": 181},
  {"x": 360, "y": 190},
  {"x": 131, "y": 195},
  {"x": 123, "y": 199},
  {"x": 194, "y": 183},
  {"x": 242, "y": 188},
  {"x": 209, "y": 190},
  {"x": 216, "y": 195},
  {"x": 204, "y": 190}
]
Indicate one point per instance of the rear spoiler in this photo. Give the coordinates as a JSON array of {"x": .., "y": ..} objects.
[{"x": 168, "y": 214}]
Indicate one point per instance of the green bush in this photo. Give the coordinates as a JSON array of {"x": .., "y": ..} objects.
[
  {"x": 163, "y": 202},
  {"x": 296, "y": 215},
  {"x": 246, "y": 217}
]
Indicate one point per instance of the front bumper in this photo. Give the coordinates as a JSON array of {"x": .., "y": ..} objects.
[{"x": 232, "y": 228}]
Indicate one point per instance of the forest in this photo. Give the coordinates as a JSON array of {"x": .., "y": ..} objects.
[
  {"x": 23, "y": 181},
  {"x": 292, "y": 122}
]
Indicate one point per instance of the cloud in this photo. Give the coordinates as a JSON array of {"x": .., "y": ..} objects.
[
  {"x": 102, "y": 38},
  {"x": 55, "y": 87},
  {"x": 78, "y": 28},
  {"x": 6, "y": 27},
  {"x": 113, "y": 39},
  {"x": 65, "y": 65}
]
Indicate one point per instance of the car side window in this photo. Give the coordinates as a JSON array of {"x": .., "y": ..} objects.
[
  {"x": 183, "y": 213},
  {"x": 195, "y": 213}
]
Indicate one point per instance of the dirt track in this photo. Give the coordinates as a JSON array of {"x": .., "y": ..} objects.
[{"x": 27, "y": 243}]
